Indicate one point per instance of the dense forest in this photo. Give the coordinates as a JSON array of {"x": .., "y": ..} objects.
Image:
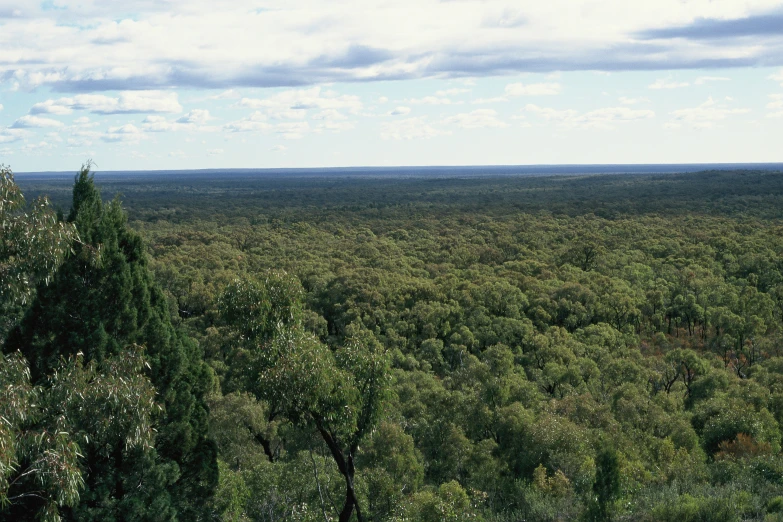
[{"x": 379, "y": 348}]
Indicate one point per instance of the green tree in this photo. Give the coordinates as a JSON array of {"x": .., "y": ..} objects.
[
  {"x": 101, "y": 300},
  {"x": 606, "y": 487},
  {"x": 33, "y": 243},
  {"x": 338, "y": 393},
  {"x": 42, "y": 426}
]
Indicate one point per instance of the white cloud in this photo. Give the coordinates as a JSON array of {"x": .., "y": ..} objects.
[
  {"x": 50, "y": 107},
  {"x": 127, "y": 102},
  {"x": 231, "y": 94},
  {"x": 704, "y": 116},
  {"x": 279, "y": 148},
  {"x": 477, "y": 119},
  {"x": 54, "y": 136},
  {"x": 550, "y": 114},
  {"x": 330, "y": 114},
  {"x": 215, "y": 152},
  {"x": 294, "y": 104},
  {"x": 603, "y": 118},
  {"x": 532, "y": 89},
  {"x": 409, "y": 129},
  {"x": 383, "y": 99},
  {"x": 28, "y": 121},
  {"x": 778, "y": 77},
  {"x": 776, "y": 105},
  {"x": 455, "y": 91},
  {"x": 293, "y": 130},
  {"x": 400, "y": 111},
  {"x": 667, "y": 84},
  {"x": 127, "y": 133},
  {"x": 96, "y": 45},
  {"x": 196, "y": 117},
  {"x": 334, "y": 126},
  {"x": 430, "y": 100},
  {"x": 485, "y": 101},
  {"x": 35, "y": 149},
  {"x": 193, "y": 120},
  {"x": 78, "y": 142},
  {"x": 253, "y": 123},
  {"x": 701, "y": 80},
  {"x": 11, "y": 135},
  {"x": 633, "y": 101},
  {"x": 1, "y": 106},
  {"x": 159, "y": 124}
]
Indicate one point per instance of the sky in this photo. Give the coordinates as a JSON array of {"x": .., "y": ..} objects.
[{"x": 189, "y": 84}]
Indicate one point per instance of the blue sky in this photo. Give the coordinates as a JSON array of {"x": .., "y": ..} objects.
[{"x": 163, "y": 84}]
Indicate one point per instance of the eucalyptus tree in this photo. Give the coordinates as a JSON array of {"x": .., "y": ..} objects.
[
  {"x": 101, "y": 300},
  {"x": 45, "y": 428},
  {"x": 337, "y": 392}
]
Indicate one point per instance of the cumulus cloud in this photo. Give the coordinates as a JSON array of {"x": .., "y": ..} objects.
[
  {"x": 477, "y": 119},
  {"x": 40, "y": 148},
  {"x": 127, "y": 133},
  {"x": 293, "y": 104},
  {"x": 667, "y": 84},
  {"x": 127, "y": 102},
  {"x": 778, "y": 77},
  {"x": 410, "y": 129},
  {"x": 532, "y": 89},
  {"x": 704, "y": 116},
  {"x": 455, "y": 91},
  {"x": 603, "y": 118},
  {"x": 633, "y": 101},
  {"x": 701, "y": 80},
  {"x": 329, "y": 114},
  {"x": 10, "y": 135},
  {"x": 293, "y": 130},
  {"x": 776, "y": 106},
  {"x": 430, "y": 100},
  {"x": 257, "y": 121},
  {"x": 334, "y": 126},
  {"x": 195, "y": 117},
  {"x": 230, "y": 94},
  {"x": 485, "y": 101},
  {"x": 400, "y": 111},
  {"x": 28, "y": 121}
]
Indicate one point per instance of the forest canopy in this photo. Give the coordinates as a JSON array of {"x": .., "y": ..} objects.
[{"x": 603, "y": 347}]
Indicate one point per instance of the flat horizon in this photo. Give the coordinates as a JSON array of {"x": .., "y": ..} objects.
[{"x": 527, "y": 169}]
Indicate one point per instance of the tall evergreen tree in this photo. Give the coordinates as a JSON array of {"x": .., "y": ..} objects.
[{"x": 103, "y": 299}]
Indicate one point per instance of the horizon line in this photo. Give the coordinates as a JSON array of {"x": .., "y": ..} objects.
[{"x": 768, "y": 164}]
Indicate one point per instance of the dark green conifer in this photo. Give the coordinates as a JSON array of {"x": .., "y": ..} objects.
[{"x": 103, "y": 299}]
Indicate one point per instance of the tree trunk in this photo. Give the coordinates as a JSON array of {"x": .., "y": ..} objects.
[
  {"x": 267, "y": 445},
  {"x": 347, "y": 470}
]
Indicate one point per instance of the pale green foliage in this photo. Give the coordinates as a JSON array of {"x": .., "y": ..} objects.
[
  {"x": 261, "y": 308},
  {"x": 34, "y": 448},
  {"x": 107, "y": 402},
  {"x": 32, "y": 242},
  {"x": 238, "y": 422},
  {"x": 41, "y": 427},
  {"x": 448, "y": 502}
]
